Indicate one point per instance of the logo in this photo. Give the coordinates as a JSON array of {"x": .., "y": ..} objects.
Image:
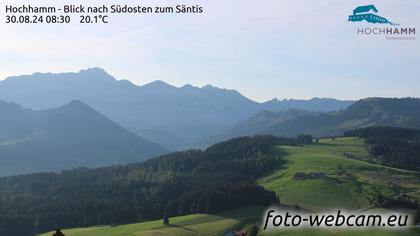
[
  {"x": 365, "y": 13},
  {"x": 369, "y": 14}
]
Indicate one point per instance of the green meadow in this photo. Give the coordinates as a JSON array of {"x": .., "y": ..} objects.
[
  {"x": 197, "y": 224},
  {"x": 348, "y": 181}
]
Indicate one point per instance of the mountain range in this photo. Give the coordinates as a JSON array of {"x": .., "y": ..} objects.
[
  {"x": 73, "y": 135},
  {"x": 394, "y": 112},
  {"x": 90, "y": 119},
  {"x": 173, "y": 117}
]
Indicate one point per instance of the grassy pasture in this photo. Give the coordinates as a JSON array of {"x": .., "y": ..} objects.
[{"x": 348, "y": 183}]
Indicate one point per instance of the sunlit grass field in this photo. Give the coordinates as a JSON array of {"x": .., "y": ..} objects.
[
  {"x": 350, "y": 182},
  {"x": 197, "y": 224}
]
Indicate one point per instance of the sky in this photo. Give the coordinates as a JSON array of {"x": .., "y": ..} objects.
[{"x": 264, "y": 49}]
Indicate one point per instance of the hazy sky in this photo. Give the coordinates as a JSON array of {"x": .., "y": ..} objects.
[{"x": 264, "y": 48}]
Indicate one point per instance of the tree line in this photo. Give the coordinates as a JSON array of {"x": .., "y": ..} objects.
[
  {"x": 392, "y": 146},
  {"x": 193, "y": 181}
]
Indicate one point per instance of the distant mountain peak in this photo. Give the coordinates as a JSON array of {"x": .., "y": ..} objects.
[
  {"x": 66, "y": 137},
  {"x": 93, "y": 70},
  {"x": 75, "y": 106},
  {"x": 76, "y": 103},
  {"x": 96, "y": 73},
  {"x": 209, "y": 86},
  {"x": 188, "y": 86},
  {"x": 158, "y": 84}
]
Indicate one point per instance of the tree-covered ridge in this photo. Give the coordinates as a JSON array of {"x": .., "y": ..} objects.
[
  {"x": 245, "y": 156},
  {"x": 391, "y": 146},
  {"x": 181, "y": 183}
]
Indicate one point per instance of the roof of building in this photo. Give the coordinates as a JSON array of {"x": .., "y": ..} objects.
[{"x": 363, "y": 9}]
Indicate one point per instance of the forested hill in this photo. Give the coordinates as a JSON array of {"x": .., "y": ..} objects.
[
  {"x": 218, "y": 178},
  {"x": 392, "y": 146}
]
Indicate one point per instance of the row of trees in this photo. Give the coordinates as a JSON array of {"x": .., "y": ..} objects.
[{"x": 180, "y": 183}]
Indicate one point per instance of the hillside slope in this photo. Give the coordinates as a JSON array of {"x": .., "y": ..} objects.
[
  {"x": 347, "y": 184},
  {"x": 240, "y": 219},
  {"x": 257, "y": 124},
  {"x": 347, "y": 181},
  {"x": 198, "y": 182},
  {"x": 190, "y": 225},
  {"x": 393, "y": 112},
  {"x": 70, "y": 136},
  {"x": 219, "y": 178}
]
